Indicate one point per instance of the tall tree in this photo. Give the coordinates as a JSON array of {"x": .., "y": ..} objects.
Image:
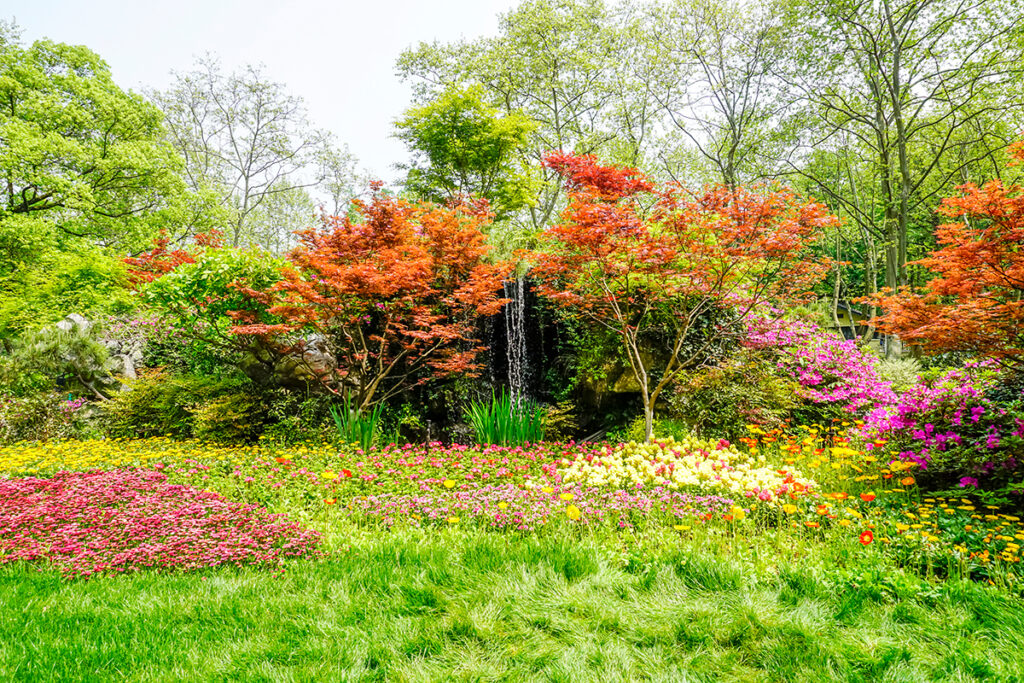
[
  {"x": 673, "y": 280},
  {"x": 716, "y": 69},
  {"x": 910, "y": 84},
  {"x": 567, "y": 66},
  {"x": 80, "y": 158},
  {"x": 243, "y": 137},
  {"x": 463, "y": 146}
]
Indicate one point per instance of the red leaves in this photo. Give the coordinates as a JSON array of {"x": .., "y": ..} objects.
[
  {"x": 392, "y": 293},
  {"x": 632, "y": 268},
  {"x": 160, "y": 260},
  {"x": 975, "y": 302}
]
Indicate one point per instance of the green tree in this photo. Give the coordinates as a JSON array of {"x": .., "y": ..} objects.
[
  {"x": 463, "y": 146},
  {"x": 80, "y": 159}
]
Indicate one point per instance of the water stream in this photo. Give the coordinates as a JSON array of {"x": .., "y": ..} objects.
[{"x": 515, "y": 335}]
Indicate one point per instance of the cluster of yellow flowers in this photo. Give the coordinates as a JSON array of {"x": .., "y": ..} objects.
[
  {"x": 714, "y": 467},
  {"x": 26, "y": 458}
]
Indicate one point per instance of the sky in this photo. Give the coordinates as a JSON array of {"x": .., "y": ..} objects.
[{"x": 338, "y": 56}]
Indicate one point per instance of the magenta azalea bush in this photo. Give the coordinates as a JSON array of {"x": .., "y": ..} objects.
[
  {"x": 954, "y": 429},
  {"x": 131, "y": 520},
  {"x": 832, "y": 372}
]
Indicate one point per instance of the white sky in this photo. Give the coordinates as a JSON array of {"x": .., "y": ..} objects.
[{"x": 338, "y": 56}]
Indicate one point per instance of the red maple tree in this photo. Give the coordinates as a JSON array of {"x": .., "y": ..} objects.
[
  {"x": 975, "y": 302},
  {"x": 161, "y": 259},
  {"x": 669, "y": 272},
  {"x": 394, "y": 295}
]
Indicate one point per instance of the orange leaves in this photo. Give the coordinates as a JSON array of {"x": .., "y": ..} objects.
[
  {"x": 975, "y": 301},
  {"x": 394, "y": 293}
]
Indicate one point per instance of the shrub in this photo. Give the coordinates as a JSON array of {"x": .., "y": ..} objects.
[
  {"x": 187, "y": 406},
  {"x": 44, "y": 416},
  {"x": 833, "y": 373},
  {"x": 747, "y": 388},
  {"x": 956, "y": 428}
]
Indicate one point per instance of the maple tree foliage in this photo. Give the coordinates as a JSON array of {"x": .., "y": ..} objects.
[
  {"x": 161, "y": 259},
  {"x": 975, "y": 302},
  {"x": 651, "y": 262},
  {"x": 394, "y": 293}
]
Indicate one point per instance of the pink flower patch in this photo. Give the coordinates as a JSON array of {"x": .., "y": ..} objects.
[{"x": 132, "y": 520}]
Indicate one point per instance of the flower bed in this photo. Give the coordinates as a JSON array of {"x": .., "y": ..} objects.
[{"x": 131, "y": 520}]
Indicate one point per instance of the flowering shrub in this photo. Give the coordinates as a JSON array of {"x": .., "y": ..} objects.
[
  {"x": 953, "y": 429},
  {"x": 832, "y": 372},
  {"x": 126, "y": 520},
  {"x": 690, "y": 463}
]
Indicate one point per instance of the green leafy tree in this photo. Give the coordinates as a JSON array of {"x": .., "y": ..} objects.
[
  {"x": 463, "y": 146},
  {"x": 80, "y": 158}
]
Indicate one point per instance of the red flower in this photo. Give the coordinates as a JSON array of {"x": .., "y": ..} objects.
[
  {"x": 867, "y": 497},
  {"x": 347, "y": 473},
  {"x": 867, "y": 537}
]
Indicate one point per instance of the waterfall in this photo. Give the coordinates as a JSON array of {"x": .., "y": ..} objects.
[{"x": 515, "y": 336}]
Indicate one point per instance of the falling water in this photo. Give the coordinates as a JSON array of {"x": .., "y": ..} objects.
[{"x": 515, "y": 335}]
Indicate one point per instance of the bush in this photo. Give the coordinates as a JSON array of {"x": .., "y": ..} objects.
[
  {"x": 747, "y": 388},
  {"x": 45, "y": 416},
  {"x": 965, "y": 428},
  {"x": 187, "y": 406},
  {"x": 90, "y": 283}
]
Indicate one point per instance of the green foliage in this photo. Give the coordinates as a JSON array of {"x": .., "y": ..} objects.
[
  {"x": 354, "y": 426},
  {"x": 88, "y": 282},
  {"x": 464, "y": 146},
  {"x": 186, "y": 406},
  {"x": 903, "y": 373},
  {"x": 664, "y": 427},
  {"x": 560, "y": 421},
  {"x": 197, "y": 297},
  {"x": 81, "y": 158},
  {"x": 70, "y": 358},
  {"x": 506, "y": 422},
  {"x": 745, "y": 388},
  {"x": 39, "y": 416},
  {"x": 295, "y": 417}
]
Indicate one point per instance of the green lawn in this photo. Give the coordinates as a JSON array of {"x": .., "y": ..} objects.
[{"x": 457, "y": 605}]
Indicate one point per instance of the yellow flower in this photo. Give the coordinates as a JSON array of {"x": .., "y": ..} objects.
[
  {"x": 682, "y": 527},
  {"x": 789, "y": 508},
  {"x": 329, "y": 475},
  {"x": 738, "y": 513},
  {"x": 502, "y": 505},
  {"x": 573, "y": 513},
  {"x": 845, "y": 522},
  {"x": 453, "y": 520},
  {"x": 548, "y": 489},
  {"x": 449, "y": 483},
  {"x": 566, "y": 496}
]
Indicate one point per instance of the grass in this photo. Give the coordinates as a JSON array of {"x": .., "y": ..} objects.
[{"x": 413, "y": 605}]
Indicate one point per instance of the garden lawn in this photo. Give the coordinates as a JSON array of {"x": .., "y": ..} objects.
[{"x": 424, "y": 605}]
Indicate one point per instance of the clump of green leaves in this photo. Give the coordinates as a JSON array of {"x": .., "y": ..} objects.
[
  {"x": 355, "y": 426},
  {"x": 505, "y": 421}
]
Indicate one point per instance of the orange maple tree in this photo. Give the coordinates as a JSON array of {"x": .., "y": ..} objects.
[
  {"x": 394, "y": 294},
  {"x": 975, "y": 302},
  {"x": 669, "y": 272}
]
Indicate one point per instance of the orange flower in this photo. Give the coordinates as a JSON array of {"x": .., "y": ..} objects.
[
  {"x": 867, "y": 497},
  {"x": 329, "y": 501},
  {"x": 907, "y": 481},
  {"x": 866, "y": 537},
  {"x": 813, "y": 525}
]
